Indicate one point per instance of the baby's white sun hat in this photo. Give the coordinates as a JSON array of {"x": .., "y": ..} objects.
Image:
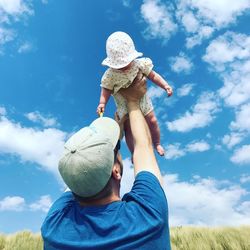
[{"x": 120, "y": 50}]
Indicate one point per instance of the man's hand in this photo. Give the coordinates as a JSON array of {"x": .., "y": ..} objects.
[{"x": 135, "y": 91}]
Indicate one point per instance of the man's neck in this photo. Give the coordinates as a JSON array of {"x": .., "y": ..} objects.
[{"x": 102, "y": 201}]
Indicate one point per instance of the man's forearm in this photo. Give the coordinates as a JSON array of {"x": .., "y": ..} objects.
[
  {"x": 139, "y": 127},
  {"x": 143, "y": 156}
]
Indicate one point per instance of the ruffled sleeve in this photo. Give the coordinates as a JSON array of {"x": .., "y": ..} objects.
[
  {"x": 107, "y": 80},
  {"x": 146, "y": 65}
]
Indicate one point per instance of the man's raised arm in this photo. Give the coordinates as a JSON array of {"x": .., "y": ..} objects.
[{"x": 143, "y": 157}]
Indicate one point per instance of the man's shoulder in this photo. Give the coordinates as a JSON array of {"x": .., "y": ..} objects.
[
  {"x": 64, "y": 201},
  {"x": 146, "y": 190},
  {"x": 147, "y": 176}
]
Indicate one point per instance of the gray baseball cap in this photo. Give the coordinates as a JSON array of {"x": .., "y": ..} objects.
[{"x": 88, "y": 157}]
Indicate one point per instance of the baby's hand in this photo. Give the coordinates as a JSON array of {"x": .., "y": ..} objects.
[
  {"x": 100, "y": 109},
  {"x": 169, "y": 90}
]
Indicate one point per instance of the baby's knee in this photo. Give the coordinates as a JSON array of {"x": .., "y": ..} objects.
[{"x": 152, "y": 119}]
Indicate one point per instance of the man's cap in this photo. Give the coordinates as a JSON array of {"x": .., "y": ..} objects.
[{"x": 88, "y": 157}]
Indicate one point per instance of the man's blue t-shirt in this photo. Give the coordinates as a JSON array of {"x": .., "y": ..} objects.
[{"x": 138, "y": 221}]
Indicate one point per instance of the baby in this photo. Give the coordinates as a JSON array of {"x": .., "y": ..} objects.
[{"x": 124, "y": 66}]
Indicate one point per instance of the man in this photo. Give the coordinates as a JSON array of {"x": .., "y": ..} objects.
[{"x": 92, "y": 215}]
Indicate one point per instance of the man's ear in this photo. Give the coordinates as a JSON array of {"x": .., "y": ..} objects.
[{"x": 116, "y": 172}]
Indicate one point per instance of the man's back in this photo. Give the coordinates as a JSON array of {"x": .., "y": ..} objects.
[{"x": 139, "y": 221}]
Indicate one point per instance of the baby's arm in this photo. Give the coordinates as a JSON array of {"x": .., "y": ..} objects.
[
  {"x": 158, "y": 80},
  {"x": 105, "y": 94}
]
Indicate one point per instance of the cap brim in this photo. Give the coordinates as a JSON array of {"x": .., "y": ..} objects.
[{"x": 107, "y": 126}]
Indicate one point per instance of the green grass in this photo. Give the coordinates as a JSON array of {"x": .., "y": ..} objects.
[
  {"x": 182, "y": 238},
  {"x": 216, "y": 238},
  {"x": 21, "y": 241}
]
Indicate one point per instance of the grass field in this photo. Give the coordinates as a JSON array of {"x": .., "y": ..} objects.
[
  {"x": 217, "y": 238},
  {"x": 182, "y": 238}
]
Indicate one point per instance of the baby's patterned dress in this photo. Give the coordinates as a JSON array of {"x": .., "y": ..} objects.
[{"x": 114, "y": 80}]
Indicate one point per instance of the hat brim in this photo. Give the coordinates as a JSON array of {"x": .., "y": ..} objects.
[
  {"x": 110, "y": 63},
  {"x": 107, "y": 127}
]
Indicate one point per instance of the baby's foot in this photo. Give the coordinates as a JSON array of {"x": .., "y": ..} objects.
[{"x": 160, "y": 150}]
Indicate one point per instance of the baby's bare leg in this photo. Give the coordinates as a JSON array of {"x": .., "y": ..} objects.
[
  {"x": 129, "y": 136},
  {"x": 155, "y": 132}
]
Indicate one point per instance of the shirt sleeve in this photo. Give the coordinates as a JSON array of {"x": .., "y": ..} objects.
[
  {"x": 107, "y": 80},
  {"x": 66, "y": 199},
  {"x": 146, "y": 65},
  {"x": 147, "y": 191}
]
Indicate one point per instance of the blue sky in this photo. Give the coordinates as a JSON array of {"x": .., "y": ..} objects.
[{"x": 50, "y": 71}]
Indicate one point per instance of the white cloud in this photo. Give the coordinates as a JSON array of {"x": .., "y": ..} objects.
[
  {"x": 43, "y": 204},
  {"x": 2, "y": 111},
  {"x": 17, "y": 203},
  {"x": 245, "y": 178},
  {"x": 159, "y": 19},
  {"x": 126, "y": 3},
  {"x": 232, "y": 139},
  {"x": 229, "y": 54},
  {"x": 205, "y": 202},
  {"x": 181, "y": 63},
  {"x": 241, "y": 155},
  {"x": 6, "y": 35},
  {"x": 236, "y": 90},
  {"x": 199, "y": 201},
  {"x": 201, "y": 17},
  {"x": 15, "y": 7},
  {"x": 39, "y": 118},
  {"x": 218, "y": 147},
  {"x": 25, "y": 47},
  {"x": 43, "y": 147},
  {"x": 197, "y": 30},
  {"x": 245, "y": 208},
  {"x": 14, "y": 203},
  {"x": 201, "y": 115},
  {"x": 128, "y": 176},
  {"x": 240, "y": 129},
  {"x": 220, "y": 13},
  {"x": 190, "y": 22},
  {"x": 12, "y": 11},
  {"x": 173, "y": 151},
  {"x": 205, "y": 32},
  {"x": 208, "y": 135},
  {"x": 198, "y": 146},
  {"x": 226, "y": 49},
  {"x": 189, "y": 121},
  {"x": 45, "y": 1},
  {"x": 242, "y": 122},
  {"x": 155, "y": 92},
  {"x": 185, "y": 89}
]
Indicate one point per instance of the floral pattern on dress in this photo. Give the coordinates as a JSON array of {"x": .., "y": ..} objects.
[{"x": 114, "y": 80}]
